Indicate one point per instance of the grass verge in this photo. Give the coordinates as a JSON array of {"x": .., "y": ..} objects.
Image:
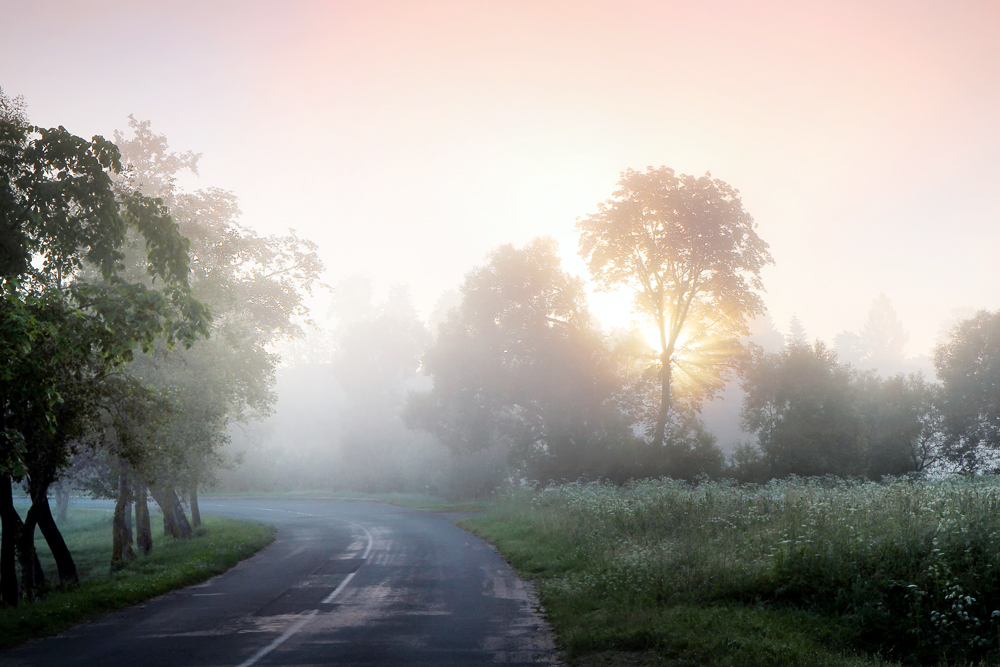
[
  {"x": 218, "y": 545},
  {"x": 604, "y": 631},
  {"x": 792, "y": 573}
]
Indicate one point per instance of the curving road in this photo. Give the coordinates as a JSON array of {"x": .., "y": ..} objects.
[{"x": 345, "y": 583}]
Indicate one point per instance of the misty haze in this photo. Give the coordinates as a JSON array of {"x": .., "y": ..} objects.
[{"x": 449, "y": 333}]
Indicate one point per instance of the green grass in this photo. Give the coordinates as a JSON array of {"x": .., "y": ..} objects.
[
  {"x": 217, "y": 545},
  {"x": 821, "y": 572}
]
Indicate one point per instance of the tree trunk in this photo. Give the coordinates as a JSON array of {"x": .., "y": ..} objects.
[
  {"x": 169, "y": 525},
  {"x": 64, "y": 559},
  {"x": 121, "y": 535},
  {"x": 175, "y": 522},
  {"x": 62, "y": 500},
  {"x": 195, "y": 511},
  {"x": 32, "y": 575},
  {"x": 143, "y": 531},
  {"x": 167, "y": 509},
  {"x": 666, "y": 373},
  {"x": 183, "y": 526},
  {"x": 11, "y": 523},
  {"x": 129, "y": 526}
]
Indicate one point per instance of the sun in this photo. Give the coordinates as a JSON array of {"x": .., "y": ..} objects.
[
  {"x": 699, "y": 354},
  {"x": 651, "y": 335}
]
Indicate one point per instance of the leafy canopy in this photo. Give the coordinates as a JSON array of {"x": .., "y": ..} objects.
[
  {"x": 690, "y": 253},
  {"x": 518, "y": 367},
  {"x": 681, "y": 243},
  {"x": 68, "y": 313}
]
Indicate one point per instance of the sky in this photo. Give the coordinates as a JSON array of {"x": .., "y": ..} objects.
[{"x": 408, "y": 139}]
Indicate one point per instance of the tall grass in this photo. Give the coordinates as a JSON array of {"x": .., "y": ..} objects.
[{"x": 906, "y": 569}]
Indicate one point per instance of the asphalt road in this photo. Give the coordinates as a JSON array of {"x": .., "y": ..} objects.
[{"x": 345, "y": 583}]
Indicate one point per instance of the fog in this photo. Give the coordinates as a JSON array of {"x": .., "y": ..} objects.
[
  {"x": 337, "y": 422},
  {"x": 413, "y": 142}
]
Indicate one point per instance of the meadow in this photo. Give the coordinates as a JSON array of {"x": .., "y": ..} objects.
[{"x": 821, "y": 571}]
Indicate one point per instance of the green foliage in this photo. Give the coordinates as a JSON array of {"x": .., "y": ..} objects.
[
  {"x": 64, "y": 217},
  {"x": 710, "y": 635},
  {"x": 801, "y": 404},
  {"x": 815, "y": 416},
  {"x": 909, "y": 570},
  {"x": 59, "y": 202},
  {"x": 968, "y": 366},
  {"x": 218, "y": 546},
  {"x": 255, "y": 287},
  {"x": 902, "y": 423}
]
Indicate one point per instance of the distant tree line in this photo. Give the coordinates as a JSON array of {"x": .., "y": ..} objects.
[
  {"x": 521, "y": 384},
  {"x": 135, "y": 321},
  {"x": 512, "y": 380},
  {"x": 813, "y": 414},
  {"x": 525, "y": 381}
]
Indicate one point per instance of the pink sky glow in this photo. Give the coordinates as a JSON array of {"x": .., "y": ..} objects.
[{"x": 409, "y": 138}]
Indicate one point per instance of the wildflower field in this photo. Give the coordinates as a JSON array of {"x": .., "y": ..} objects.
[{"x": 792, "y": 572}]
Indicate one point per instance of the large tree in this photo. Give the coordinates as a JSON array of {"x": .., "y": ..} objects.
[
  {"x": 256, "y": 287},
  {"x": 802, "y": 406},
  {"x": 690, "y": 252},
  {"x": 62, "y": 212},
  {"x": 901, "y": 422},
  {"x": 518, "y": 368},
  {"x": 968, "y": 366}
]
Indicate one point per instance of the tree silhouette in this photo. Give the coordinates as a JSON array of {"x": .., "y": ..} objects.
[
  {"x": 801, "y": 404},
  {"x": 797, "y": 332},
  {"x": 689, "y": 251},
  {"x": 518, "y": 368},
  {"x": 882, "y": 343},
  {"x": 968, "y": 366},
  {"x": 883, "y": 335}
]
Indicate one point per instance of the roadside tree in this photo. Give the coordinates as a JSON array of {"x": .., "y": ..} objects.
[
  {"x": 61, "y": 211},
  {"x": 256, "y": 287}
]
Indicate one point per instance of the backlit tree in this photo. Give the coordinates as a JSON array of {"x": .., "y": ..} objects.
[{"x": 690, "y": 252}]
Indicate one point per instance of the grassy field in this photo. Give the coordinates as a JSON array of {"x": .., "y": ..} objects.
[
  {"x": 791, "y": 573},
  {"x": 218, "y": 545}
]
